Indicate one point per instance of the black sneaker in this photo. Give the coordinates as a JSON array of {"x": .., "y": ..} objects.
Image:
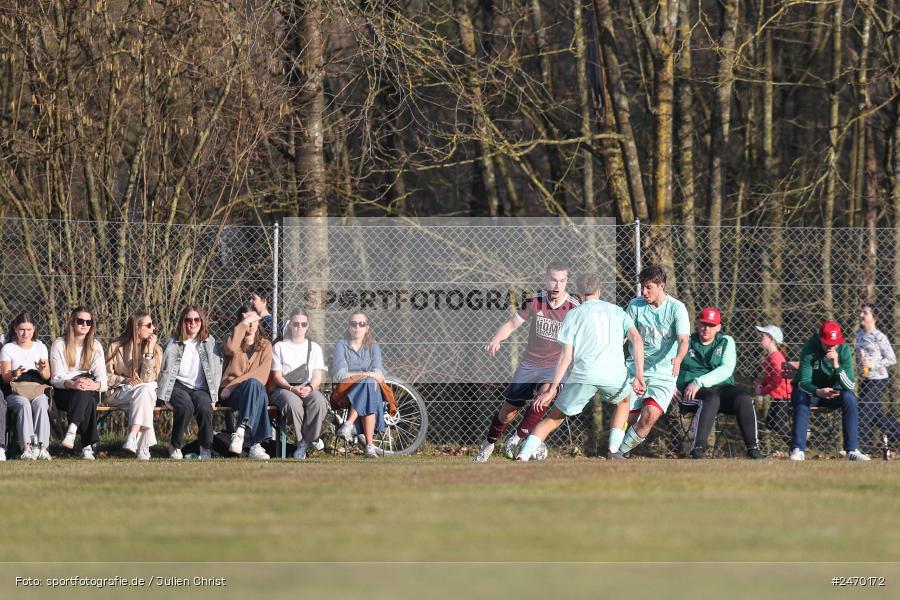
[
  {"x": 697, "y": 453},
  {"x": 755, "y": 454}
]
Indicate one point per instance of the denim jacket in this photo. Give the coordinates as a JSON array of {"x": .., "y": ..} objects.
[{"x": 210, "y": 362}]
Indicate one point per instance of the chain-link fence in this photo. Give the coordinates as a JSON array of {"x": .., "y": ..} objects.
[{"x": 755, "y": 275}]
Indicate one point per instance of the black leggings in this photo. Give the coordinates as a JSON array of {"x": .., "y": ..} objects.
[
  {"x": 81, "y": 406},
  {"x": 187, "y": 403},
  {"x": 727, "y": 399}
]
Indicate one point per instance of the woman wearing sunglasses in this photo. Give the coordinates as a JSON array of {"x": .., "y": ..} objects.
[
  {"x": 189, "y": 380},
  {"x": 297, "y": 370},
  {"x": 248, "y": 362},
  {"x": 78, "y": 374},
  {"x": 358, "y": 357},
  {"x": 133, "y": 364}
]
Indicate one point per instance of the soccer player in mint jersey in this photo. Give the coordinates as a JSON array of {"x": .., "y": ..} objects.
[
  {"x": 544, "y": 314},
  {"x": 592, "y": 336},
  {"x": 665, "y": 328}
]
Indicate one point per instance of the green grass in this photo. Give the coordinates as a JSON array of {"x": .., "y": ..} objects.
[{"x": 449, "y": 509}]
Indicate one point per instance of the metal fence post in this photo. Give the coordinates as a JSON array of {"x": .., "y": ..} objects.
[
  {"x": 275, "y": 259},
  {"x": 637, "y": 254}
]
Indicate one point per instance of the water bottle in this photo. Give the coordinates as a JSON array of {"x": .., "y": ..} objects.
[{"x": 884, "y": 447}]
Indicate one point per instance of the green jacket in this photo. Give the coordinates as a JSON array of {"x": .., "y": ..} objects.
[
  {"x": 816, "y": 371},
  {"x": 709, "y": 365}
]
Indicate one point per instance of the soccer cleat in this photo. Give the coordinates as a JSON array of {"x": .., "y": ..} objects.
[
  {"x": 44, "y": 455},
  {"x": 29, "y": 454},
  {"x": 541, "y": 453},
  {"x": 300, "y": 452},
  {"x": 87, "y": 453},
  {"x": 797, "y": 454},
  {"x": 509, "y": 447},
  {"x": 697, "y": 453},
  {"x": 755, "y": 454},
  {"x": 345, "y": 431},
  {"x": 257, "y": 453},
  {"x": 175, "y": 453},
  {"x": 371, "y": 451},
  {"x": 237, "y": 441},
  {"x": 319, "y": 445},
  {"x": 615, "y": 456},
  {"x": 131, "y": 443},
  {"x": 205, "y": 454},
  {"x": 857, "y": 455},
  {"x": 143, "y": 454},
  {"x": 69, "y": 441},
  {"x": 523, "y": 457},
  {"x": 484, "y": 452}
]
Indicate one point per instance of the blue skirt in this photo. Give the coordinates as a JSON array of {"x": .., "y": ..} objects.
[{"x": 366, "y": 399}]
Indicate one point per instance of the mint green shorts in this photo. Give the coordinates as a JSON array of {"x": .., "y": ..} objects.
[
  {"x": 660, "y": 390},
  {"x": 574, "y": 396}
]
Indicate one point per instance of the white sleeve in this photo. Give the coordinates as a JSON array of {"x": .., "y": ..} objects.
[
  {"x": 42, "y": 351},
  {"x": 5, "y": 354},
  {"x": 58, "y": 367},
  {"x": 98, "y": 366},
  {"x": 316, "y": 359},
  {"x": 276, "y": 358}
]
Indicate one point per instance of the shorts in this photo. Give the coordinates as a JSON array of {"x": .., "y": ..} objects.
[
  {"x": 525, "y": 381},
  {"x": 659, "y": 390},
  {"x": 575, "y": 396}
]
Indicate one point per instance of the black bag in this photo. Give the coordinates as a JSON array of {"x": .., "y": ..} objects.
[{"x": 300, "y": 375}]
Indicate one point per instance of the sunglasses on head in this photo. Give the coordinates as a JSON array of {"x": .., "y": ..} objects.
[
  {"x": 299, "y": 323},
  {"x": 190, "y": 320},
  {"x": 88, "y": 322},
  {"x": 359, "y": 324}
]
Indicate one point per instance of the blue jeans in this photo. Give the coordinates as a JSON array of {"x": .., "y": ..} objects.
[
  {"x": 803, "y": 403},
  {"x": 252, "y": 404}
]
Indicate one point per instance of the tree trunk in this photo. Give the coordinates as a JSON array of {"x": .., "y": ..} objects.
[
  {"x": 833, "y": 151},
  {"x": 684, "y": 108},
  {"x": 587, "y": 159}
]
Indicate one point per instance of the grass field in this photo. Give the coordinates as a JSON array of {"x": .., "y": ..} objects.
[{"x": 449, "y": 509}]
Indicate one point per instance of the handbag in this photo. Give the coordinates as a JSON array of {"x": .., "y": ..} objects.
[
  {"x": 30, "y": 385},
  {"x": 298, "y": 376}
]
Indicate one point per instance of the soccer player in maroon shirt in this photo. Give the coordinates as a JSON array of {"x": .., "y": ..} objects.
[{"x": 544, "y": 313}]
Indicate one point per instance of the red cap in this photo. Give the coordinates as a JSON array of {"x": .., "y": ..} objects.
[
  {"x": 830, "y": 333},
  {"x": 710, "y": 316}
]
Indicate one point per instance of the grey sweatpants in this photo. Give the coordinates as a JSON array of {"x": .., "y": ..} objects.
[
  {"x": 32, "y": 418},
  {"x": 307, "y": 413}
]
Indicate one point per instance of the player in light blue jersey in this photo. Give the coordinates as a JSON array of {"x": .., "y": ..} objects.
[
  {"x": 592, "y": 337},
  {"x": 665, "y": 328}
]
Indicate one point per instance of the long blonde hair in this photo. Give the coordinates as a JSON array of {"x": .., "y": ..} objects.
[
  {"x": 125, "y": 342},
  {"x": 87, "y": 349}
]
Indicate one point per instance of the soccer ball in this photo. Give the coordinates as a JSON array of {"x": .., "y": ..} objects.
[{"x": 541, "y": 453}]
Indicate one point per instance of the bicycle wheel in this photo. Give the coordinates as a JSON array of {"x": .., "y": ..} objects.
[{"x": 405, "y": 431}]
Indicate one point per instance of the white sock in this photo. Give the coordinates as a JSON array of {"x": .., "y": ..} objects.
[{"x": 615, "y": 439}]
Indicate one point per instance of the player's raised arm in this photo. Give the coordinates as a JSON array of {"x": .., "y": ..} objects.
[{"x": 503, "y": 332}]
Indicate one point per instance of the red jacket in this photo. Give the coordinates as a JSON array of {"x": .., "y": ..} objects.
[{"x": 773, "y": 383}]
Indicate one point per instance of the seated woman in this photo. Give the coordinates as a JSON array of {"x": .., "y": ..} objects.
[
  {"x": 21, "y": 355},
  {"x": 78, "y": 374},
  {"x": 297, "y": 370},
  {"x": 189, "y": 380},
  {"x": 773, "y": 383},
  {"x": 357, "y": 359},
  {"x": 248, "y": 360},
  {"x": 132, "y": 364},
  {"x": 706, "y": 384}
]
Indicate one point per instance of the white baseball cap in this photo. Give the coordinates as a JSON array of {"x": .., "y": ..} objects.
[{"x": 773, "y": 331}]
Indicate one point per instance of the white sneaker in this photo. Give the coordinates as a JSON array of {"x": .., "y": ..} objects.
[
  {"x": 237, "y": 441},
  {"x": 131, "y": 443},
  {"x": 319, "y": 445},
  {"x": 87, "y": 453},
  {"x": 300, "y": 452},
  {"x": 29, "y": 454},
  {"x": 175, "y": 453},
  {"x": 2, "y": 454},
  {"x": 44, "y": 455},
  {"x": 509, "y": 447},
  {"x": 484, "y": 452},
  {"x": 205, "y": 454},
  {"x": 143, "y": 454},
  {"x": 257, "y": 452},
  {"x": 523, "y": 458},
  {"x": 857, "y": 455},
  {"x": 541, "y": 452},
  {"x": 797, "y": 454},
  {"x": 371, "y": 451},
  {"x": 69, "y": 440},
  {"x": 345, "y": 431}
]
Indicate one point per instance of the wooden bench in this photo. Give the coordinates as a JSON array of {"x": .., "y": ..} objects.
[{"x": 275, "y": 416}]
